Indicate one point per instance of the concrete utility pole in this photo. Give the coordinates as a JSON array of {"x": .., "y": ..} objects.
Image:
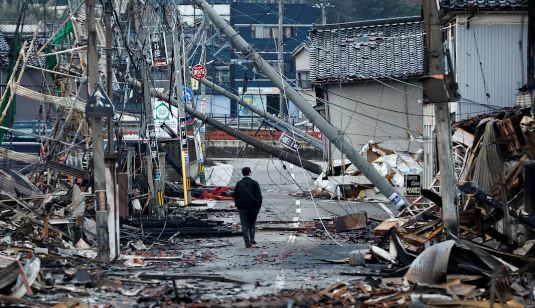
[
  {"x": 276, "y": 122},
  {"x": 108, "y": 11},
  {"x": 531, "y": 54},
  {"x": 148, "y": 120},
  {"x": 110, "y": 159},
  {"x": 335, "y": 135},
  {"x": 283, "y": 110},
  {"x": 438, "y": 93},
  {"x": 324, "y": 12},
  {"x": 149, "y": 130},
  {"x": 99, "y": 168},
  {"x": 279, "y": 153},
  {"x": 202, "y": 127},
  {"x": 180, "y": 72}
]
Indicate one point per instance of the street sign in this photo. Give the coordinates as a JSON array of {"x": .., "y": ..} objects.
[
  {"x": 158, "y": 49},
  {"x": 99, "y": 104},
  {"x": 289, "y": 142},
  {"x": 188, "y": 94},
  {"x": 413, "y": 184},
  {"x": 194, "y": 84},
  {"x": 198, "y": 71}
]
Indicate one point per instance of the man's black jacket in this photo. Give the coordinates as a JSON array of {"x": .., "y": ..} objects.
[{"x": 247, "y": 194}]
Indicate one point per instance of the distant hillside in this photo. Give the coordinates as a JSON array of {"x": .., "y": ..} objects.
[{"x": 353, "y": 10}]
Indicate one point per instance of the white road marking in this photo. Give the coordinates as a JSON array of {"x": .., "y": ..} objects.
[
  {"x": 280, "y": 280},
  {"x": 297, "y": 202},
  {"x": 296, "y": 218},
  {"x": 291, "y": 239},
  {"x": 298, "y": 211}
]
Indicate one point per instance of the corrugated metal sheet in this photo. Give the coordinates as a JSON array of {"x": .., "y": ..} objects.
[{"x": 502, "y": 69}]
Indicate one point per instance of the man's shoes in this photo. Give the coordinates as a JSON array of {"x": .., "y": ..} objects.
[{"x": 253, "y": 242}]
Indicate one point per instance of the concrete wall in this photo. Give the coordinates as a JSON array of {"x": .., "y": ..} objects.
[
  {"x": 302, "y": 60},
  {"x": 499, "y": 43},
  {"x": 374, "y": 111}
]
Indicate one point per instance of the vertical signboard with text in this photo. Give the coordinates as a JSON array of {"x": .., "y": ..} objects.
[{"x": 158, "y": 49}]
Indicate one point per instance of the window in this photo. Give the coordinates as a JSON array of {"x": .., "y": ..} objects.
[
  {"x": 303, "y": 79},
  {"x": 222, "y": 74},
  {"x": 270, "y": 32}
]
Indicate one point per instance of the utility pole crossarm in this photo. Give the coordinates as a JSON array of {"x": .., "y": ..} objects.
[{"x": 329, "y": 131}]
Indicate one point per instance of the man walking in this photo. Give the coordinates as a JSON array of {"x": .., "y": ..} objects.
[{"x": 248, "y": 200}]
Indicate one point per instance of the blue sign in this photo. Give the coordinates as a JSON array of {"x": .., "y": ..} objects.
[{"x": 188, "y": 94}]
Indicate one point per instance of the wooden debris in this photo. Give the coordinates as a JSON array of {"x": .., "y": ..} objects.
[{"x": 350, "y": 222}]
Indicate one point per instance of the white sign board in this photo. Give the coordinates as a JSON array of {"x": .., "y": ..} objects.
[{"x": 162, "y": 112}]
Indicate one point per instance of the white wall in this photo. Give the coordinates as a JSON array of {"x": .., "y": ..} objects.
[{"x": 383, "y": 115}]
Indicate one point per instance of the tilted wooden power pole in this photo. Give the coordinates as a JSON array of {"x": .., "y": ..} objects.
[{"x": 437, "y": 92}]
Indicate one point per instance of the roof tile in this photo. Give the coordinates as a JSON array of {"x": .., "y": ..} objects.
[
  {"x": 483, "y": 4},
  {"x": 367, "y": 50}
]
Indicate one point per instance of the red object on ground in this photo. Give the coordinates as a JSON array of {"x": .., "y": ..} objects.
[{"x": 216, "y": 194}]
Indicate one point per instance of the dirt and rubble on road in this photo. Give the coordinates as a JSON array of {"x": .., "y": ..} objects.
[{"x": 341, "y": 254}]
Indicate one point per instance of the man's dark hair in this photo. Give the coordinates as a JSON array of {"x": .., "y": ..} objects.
[{"x": 246, "y": 171}]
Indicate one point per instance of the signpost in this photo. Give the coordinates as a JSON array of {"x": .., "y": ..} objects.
[
  {"x": 158, "y": 49},
  {"x": 198, "y": 71},
  {"x": 289, "y": 142},
  {"x": 99, "y": 104},
  {"x": 413, "y": 184},
  {"x": 188, "y": 94}
]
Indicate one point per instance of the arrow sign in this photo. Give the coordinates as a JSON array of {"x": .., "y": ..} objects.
[
  {"x": 99, "y": 104},
  {"x": 188, "y": 94}
]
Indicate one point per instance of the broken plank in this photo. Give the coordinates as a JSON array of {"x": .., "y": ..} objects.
[{"x": 383, "y": 228}]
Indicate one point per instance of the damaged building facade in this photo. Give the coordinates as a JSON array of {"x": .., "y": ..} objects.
[{"x": 366, "y": 75}]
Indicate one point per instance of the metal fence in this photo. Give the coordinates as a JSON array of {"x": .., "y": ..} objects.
[{"x": 257, "y": 122}]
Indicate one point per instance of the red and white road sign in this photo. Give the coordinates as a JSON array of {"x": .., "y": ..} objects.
[{"x": 198, "y": 71}]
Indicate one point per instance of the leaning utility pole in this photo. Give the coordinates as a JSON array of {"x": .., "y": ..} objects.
[
  {"x": 283, "y": 110},
  {"x": 335, "y": 135},
  {"x": 438, "y": 93},
  {"x": 276, "y": 152},
  {"x": 273, "y": 120},
  {"x": 531, "y": 54},
  {"x": 99, "y": 168}
]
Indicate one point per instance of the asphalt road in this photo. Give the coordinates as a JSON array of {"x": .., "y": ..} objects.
[{"x": 286, "y": 259}]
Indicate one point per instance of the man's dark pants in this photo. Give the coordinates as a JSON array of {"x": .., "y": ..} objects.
[{"x": 248, "y": 221}]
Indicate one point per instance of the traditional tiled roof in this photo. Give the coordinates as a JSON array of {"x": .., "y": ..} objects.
[
  {"x": 367, "y": 50},
  {"x": 483, "y": 4}
]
